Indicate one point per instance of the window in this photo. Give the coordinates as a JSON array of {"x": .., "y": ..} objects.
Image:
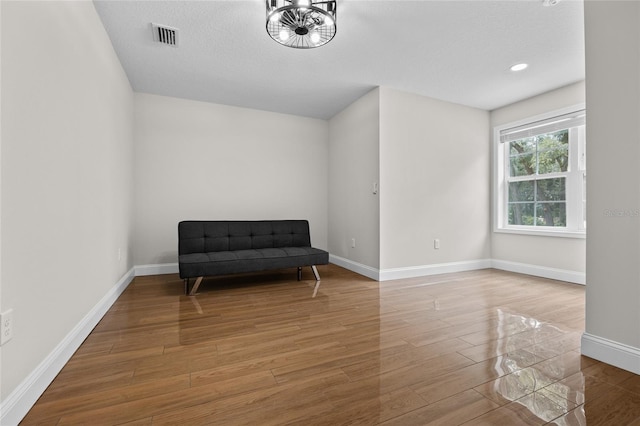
[{"x": 540, "y": 175}]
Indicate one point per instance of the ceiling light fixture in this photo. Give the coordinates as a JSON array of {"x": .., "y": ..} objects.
[
  {"x": 302, "y": 24},
  {"x": 518, "y": 67}
]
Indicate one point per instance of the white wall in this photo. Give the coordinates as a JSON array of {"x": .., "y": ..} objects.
[
  {"x": 354, "y": 210},
  {"x": 434, "y": 173},
  {"x": 66, "y": 175},
  {"x": 196, "y": 160},
  {"x": 538, "y": 252},
  {"x": 0, "y": 190},
  {"x": 613, "y": 145}
]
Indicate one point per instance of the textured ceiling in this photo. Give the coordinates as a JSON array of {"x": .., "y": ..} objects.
[{"x": 457, "y": 51}]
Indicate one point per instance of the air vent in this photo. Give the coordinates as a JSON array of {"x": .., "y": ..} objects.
[{"x": 165, "y": 35}]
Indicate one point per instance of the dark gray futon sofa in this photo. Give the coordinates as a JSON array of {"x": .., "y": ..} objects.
[{"x": 207, "y": 248}]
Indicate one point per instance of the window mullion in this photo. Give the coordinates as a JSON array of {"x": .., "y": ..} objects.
[
  {"x": 574, "y": 183},
  {"x": 537, "y": 177}
]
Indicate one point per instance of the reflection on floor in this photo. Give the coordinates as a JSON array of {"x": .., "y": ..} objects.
[{"x": 483, "y": 347}]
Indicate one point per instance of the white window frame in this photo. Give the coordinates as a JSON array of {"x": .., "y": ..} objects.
[{"x": 576, "y": 172}]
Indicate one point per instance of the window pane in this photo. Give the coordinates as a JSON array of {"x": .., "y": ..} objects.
[
  {"x": 551, "y": 214},
  {"x": 522, "y": 146},
  {"x": 521, "y": 214},
  {"x": 522, "y": 157},
  {"x": 551, "y": 189},
  {"x": 522, "y": 165},
  {"x": 553, "y": 152},
  {"x": 521, "y": 191}
]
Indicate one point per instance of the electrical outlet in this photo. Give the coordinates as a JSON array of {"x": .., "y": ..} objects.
[
  {"x": 353, "y": 243},
  {"x": 6, "y": 326},
  {"x": 436, "y": 244}
]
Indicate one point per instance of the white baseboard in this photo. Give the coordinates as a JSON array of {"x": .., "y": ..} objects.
[
  {"x": 610, "y": 352},
  {"x": 413, "y": 271},
  {"x": 540, "y": 271},
  {"x": 158, "y": 269},
  {"x": 445, "y": 268},
  {"x": 356, "y": 267},
  {"x": 439, "y": 268},
  {"x": 409, "y": 272},
  {"x": 20, "y": 401}
]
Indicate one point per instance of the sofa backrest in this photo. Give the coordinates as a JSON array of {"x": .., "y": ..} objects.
[{"x": 202, "y": 236}]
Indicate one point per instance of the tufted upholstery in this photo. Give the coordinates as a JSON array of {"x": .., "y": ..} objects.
[
  {"x": 226, "y": 247},
  {"x": 212, "y": 236}
]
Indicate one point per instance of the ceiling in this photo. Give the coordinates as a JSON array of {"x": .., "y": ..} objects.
[{"x": 457, "y": 51}]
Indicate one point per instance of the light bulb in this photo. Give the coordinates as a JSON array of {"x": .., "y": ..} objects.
[
  {"x": 284, "y": 35},
  {"x": 519, "y": 67},
  {"x": 274, "y": 17},
  {"x": 303, "y": 5},
  {"x": 315, "y": 37}
]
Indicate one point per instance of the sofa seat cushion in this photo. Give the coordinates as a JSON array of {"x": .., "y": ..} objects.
[{"x": 238, "y": 261}]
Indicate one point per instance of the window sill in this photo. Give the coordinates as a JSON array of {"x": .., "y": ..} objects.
[{"x": 542, "y": 232}]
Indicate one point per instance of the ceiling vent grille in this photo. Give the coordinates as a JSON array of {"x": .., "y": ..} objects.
[{"x": 165, "y": 35}]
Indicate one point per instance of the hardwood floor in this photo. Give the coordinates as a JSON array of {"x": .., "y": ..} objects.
[{"x": 484, "y": 347}]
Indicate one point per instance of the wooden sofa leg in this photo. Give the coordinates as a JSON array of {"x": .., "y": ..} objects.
[
  {"x": 186, "y": 286},
  {"x": 194, "y": 290},
  {"x": 315, "y": 272},
  {"x": 299, "y": 273}
]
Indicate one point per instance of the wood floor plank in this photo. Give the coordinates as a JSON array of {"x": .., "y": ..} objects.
[
  {"x": 580, "y": 388},
  {"x": 106, "y": 399},
  {"x": 479, "y": 347},
  {"x": 412, "y": 375},
  {"x": 371, "y": 410},
  {"x": 260, "y": 406},
  {"x": 453, "y": 410},
  {"x": 372, "y": 366},
  {"x": 436, "y": 388},
  {"x": 632, "y": 384},
  {"x": 508, "y": 344},
  {"x": 533, "y": 409}
]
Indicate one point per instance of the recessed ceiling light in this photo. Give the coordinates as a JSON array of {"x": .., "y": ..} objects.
[{"x": 518, "y": 67}]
